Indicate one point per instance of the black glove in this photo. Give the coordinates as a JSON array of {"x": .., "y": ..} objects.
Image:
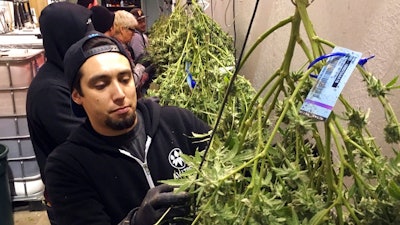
[{"x": 157, "y": 201}]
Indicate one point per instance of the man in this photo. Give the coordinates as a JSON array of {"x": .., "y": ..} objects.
[
  {"x": 124, "y": 26},
  {"x": 87, "y": 3},
  {"x": 48, "y": 106},
  {"x": 140, "y": 41},
  {"x": 107, "y": 172},
  {"x": 124, "y": 30}
]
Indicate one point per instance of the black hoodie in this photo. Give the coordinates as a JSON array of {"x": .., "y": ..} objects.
[
  {"x": 48, "y": 107},
  {"x": 89, "y": 181}
]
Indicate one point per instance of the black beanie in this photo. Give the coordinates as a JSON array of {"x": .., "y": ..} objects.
[{"x": 102, "y": 18}]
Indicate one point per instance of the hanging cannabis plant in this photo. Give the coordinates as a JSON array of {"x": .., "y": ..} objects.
[
  {"x": 195, "y": 61},
  {"x": 266, "y": 163}
]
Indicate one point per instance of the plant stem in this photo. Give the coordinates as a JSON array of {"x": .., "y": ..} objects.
[
  {"x": 302, "y": 9},
  {"x": 262, "y": 38}
]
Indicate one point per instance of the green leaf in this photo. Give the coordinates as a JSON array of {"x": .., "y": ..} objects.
[
  {"x": 392, "y": 82},
  {"x": 319, "y": 217},
  {"x": 394, "y": 189},
  {"x": 295, "y": 219},
  {"x": 233, "y": 147},
  {"x": 174, "y": 182}
]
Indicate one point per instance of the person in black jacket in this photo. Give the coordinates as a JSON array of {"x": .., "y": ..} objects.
[
  {"x": 108, "y": 171},
  {"x": 48, "y": 106}
]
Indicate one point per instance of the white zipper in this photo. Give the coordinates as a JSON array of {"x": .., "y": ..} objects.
[{"x": 144, "y": 164}]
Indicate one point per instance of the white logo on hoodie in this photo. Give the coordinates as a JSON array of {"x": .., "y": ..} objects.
[{"x": 175, "y": 159}]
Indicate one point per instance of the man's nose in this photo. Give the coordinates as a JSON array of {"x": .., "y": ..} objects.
[{"x": 118, "y": 91}]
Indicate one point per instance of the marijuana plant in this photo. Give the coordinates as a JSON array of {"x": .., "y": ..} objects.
[{"x": 266, "y": 163}]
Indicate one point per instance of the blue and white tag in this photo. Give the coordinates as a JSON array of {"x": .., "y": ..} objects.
[{"x": 330, "y": 82}]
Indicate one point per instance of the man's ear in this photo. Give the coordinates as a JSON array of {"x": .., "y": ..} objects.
[{"x": 76, "y": 97}]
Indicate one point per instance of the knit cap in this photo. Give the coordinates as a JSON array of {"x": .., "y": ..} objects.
[{"x": 102, "y": 18}]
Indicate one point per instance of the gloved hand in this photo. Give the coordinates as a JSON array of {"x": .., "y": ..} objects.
[{"x": 157, "y": 201}]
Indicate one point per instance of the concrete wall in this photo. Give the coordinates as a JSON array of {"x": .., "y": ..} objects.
[{"x": 367, "y": 26}]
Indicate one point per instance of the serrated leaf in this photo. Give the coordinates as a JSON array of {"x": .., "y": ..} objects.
[
  {"x": 392, "y": 82},
  {"x": 319, "y": 217},
  {"x": 394, "y": 189},
  {"x": 174, "y": 182}
]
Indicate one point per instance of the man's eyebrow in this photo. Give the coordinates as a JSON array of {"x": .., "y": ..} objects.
[
  {"x": 124, "y": 72},
  {"x": 96, "y": 78}
]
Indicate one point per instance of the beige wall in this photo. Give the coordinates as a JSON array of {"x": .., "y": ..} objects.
[{"x": 367, "y": 26}]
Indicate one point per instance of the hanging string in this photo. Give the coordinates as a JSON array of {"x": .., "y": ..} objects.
[
  {"x": 231, "y": 83},
  {"x": 234, "y": 24}
]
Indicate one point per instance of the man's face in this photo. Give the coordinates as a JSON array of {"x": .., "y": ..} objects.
[
  {"x": 108, "y": 93},
  {"x": 141, "y": 25},
  {"x": 126, "y": 34}
]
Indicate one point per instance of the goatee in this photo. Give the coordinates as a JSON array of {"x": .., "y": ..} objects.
[{"x": 121, "y": 124}]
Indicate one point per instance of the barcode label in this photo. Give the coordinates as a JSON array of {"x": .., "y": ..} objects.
[
  {"x": 321, "y": 83},
  {"x": 330, "y": 82}
]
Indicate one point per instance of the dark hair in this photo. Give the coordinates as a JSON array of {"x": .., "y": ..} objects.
[
  {"x": 89, "y": 44},
  {"x": 84, "y": 3}
]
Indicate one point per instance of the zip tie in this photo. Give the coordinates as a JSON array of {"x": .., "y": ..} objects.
[
  {"x": 361, "y": 62},
  {"x": 189, "y": 79},
  {"x": 322, "y": 57}
]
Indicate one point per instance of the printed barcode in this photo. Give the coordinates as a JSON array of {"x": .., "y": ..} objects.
[
  {"x": 343, "y": 69},
  {"x": 326, "y": 74}
]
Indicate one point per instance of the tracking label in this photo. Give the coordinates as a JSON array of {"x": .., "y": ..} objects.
[{"x": 330, "y": 82}]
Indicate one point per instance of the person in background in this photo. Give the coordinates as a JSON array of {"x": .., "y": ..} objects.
[
  {"x": 119, "y": 25},
  {"x": 48, "y": 106},
  {"x": 108, "y": 171},
  {"x": 139, "y": 43},
  {"x": 87, "y": 3},
  {"x": 124, "y": 26},
  {"x": 103, "y": 20}
]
